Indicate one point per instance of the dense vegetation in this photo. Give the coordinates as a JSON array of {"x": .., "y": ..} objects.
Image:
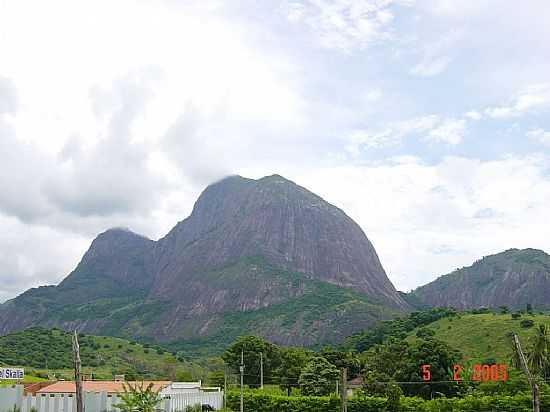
[
  {"x": 396, "y": 328},
  {"x": 50, "y": 352},
  {"x": 261, "y": 402},
  {"x": 387, "y": 360}
]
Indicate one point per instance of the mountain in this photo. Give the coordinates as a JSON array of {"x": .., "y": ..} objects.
[
  {"x": 512, "y": 278},
  {"x": 264, "y": 256}
]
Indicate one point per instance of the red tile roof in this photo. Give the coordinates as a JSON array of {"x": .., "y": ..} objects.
[{"x": 99, "y": 386}]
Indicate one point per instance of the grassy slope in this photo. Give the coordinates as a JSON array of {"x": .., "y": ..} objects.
[
  {"x": 483, "y": 336},
  {"x": 101, "y": 355}
]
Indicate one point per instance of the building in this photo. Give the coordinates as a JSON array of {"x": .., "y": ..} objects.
[{"x": 164, "y": 388}]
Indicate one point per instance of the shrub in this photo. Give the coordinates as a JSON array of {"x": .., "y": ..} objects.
[
  {"x": 261, "y": 402},
  {"x": 516, "y": 315},
  {"x": 139, "y": 398},
  {"x": 425, "y": 333},
  {"x": 526, "y": 323}
]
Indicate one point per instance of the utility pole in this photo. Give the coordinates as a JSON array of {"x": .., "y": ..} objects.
[
  {"x": 344, "y": 390},
  {"x": 242, "y": 379},
  {"x": 77, "y": 378},
  {"x": 261, "y": 370},
  {"x": 225, "y": 387},
  {"x": 532, "y": 383}
]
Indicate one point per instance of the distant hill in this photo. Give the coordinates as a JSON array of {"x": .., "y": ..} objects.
[
  {"x": 480, "y": 335},
  {"x": 259, "y": 256},
  {"x": 44, "y": 352},
  {"x": 513, "y": 278}
]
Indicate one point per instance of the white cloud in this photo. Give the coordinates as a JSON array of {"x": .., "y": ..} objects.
[
  {"x": 539, "y": 135},
  {"x": 449, "y": 131},
  {"x": 426, "y": 220},
  {"x": 431, "y": 66},
  {"x": 473, "y": 115},
  {"x": 344, "y": 24},
  {"x": 8, "y": 96},
  {"x": 128, "y": 127},
  {"x": 431, "y": 128},
  {"x": 534, "y": 97}
]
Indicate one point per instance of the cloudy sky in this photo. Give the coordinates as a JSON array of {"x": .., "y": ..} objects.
[{"x": 426, "y": 121}]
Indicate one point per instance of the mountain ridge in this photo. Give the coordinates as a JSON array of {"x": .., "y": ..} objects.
[
  {"x": 248, "y": 245},
  {"x": 514, "y": 278}
]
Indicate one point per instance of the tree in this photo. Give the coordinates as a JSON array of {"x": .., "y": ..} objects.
[
  {"x": 216, "y": 378},
  {"x": 252, "y": 347},
  {"x": 318, "y": 378},
  {"x": 504, "y": 309},
  {"x": 529, "y": 308},
  {"x": 527, "y": 323},
  {"x": 342, "y": 359},
  {"x": 293, "y": 360},
  {"x": 136, "y": 398},
  {"x": 424, "y": 333},
  {"x": 375, "y": 383},
  {"x": 538, "y": 355},
  {"x": 401, "y": 362},
  {"x": 184, "y": 376}
]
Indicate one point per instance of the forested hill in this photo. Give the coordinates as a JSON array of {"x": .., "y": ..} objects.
[{"x": 45, "y": 352}]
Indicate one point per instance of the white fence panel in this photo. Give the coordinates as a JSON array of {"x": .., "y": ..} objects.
[
  {"x": 97, "y": 401},
  {"x": 180, "y": 401},
  {"x": 10, "y": 397}
]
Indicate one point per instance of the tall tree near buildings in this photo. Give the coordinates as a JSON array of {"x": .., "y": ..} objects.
[{"x": 252, "y": 347}]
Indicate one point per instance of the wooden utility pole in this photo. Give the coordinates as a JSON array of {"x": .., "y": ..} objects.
[
  {"x": 532, "y": 383},
  {"x": 261, "y": 370},
  {"x": 343, "y": 390},
  {"x": 77, "y": 378},
  {"x": 225, "y": 387},
  {"x": 242, "y": 379}
]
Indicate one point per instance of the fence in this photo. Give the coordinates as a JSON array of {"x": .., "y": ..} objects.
[{"x": 11, "y": 397}]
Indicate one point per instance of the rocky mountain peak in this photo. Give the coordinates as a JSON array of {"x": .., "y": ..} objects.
[{"x": 512, "y": 278}]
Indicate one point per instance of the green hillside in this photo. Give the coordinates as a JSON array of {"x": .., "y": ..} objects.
[
  {"x": 480, "y": 337},
  {"x": 321, "y": 313},
  {"x": 46, "y": 352},
  {"x": 287, "y": 307}
]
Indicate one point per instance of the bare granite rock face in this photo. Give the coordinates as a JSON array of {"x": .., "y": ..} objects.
[
  {"x": 272, "y": 217},
  {"x": 251, "y": 250},
  {"x": 513, "y": 278}
]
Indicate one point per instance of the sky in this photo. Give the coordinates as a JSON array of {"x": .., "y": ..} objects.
[{"x": 426, "y": 121}]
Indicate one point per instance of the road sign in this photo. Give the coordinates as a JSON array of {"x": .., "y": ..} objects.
[{"x": 12, "y": 373}]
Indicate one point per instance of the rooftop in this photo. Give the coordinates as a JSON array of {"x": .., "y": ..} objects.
[{"x": 99, "y": 386}]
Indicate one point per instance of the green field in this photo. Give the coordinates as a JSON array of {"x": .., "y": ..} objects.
[{"x": 480, "y": 337}]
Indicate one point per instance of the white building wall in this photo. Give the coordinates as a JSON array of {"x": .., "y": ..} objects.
[{"x": 97, "y": 401}]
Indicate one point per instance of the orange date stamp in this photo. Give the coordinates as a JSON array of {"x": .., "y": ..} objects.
[{"x": 479, "y": 373}]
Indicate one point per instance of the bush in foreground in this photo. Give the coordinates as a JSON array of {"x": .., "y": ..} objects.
[{"x": 260, "y": 402}]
